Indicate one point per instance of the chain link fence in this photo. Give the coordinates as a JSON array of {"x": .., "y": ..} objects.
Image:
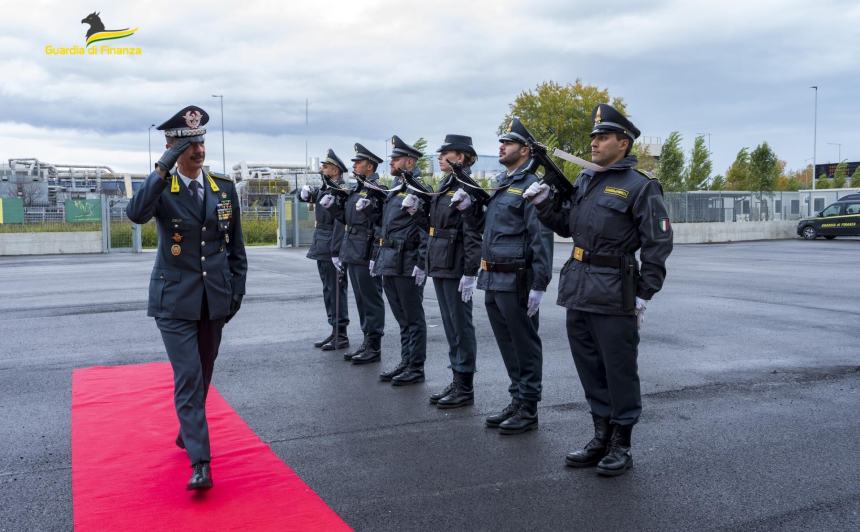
[{"x": 742, "y": 206}]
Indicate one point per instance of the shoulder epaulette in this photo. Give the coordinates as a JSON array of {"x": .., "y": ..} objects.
[
  {"x": 221, "y": 177},
  {"x": 646, "y": 174}
]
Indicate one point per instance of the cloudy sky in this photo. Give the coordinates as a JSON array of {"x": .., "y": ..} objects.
[{"x": 739, "y": 70}]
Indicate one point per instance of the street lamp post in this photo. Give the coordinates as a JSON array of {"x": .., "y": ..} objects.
[
  {"x": 223, "y": 151},
  {"x": 149, "y": 144},
  {"x": 814, "y": 146}
]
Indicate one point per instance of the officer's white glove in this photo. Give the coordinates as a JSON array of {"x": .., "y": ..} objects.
[
  {"x": 370, "y": 268},
  {"x": 411, "y": 203},
  {"x": 467, "y": 287},
  {"x": 534, "y": 302},
  {"x": 361, "y": 204},
  {"x": 305, "y": 193},
  {"x": 537, "y": 193},
  {"x": 640, "y": 312},
  {"x": 419, "y": 275},
  {"x": 327, "y": 201},
  {"x": 337, "y": 264},
  {"x": 461, "y": 200}
]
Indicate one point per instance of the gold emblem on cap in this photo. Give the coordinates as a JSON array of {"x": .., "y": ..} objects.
[
  {"x": 175, "y": 250},
  {"x": 597, "y": 118},
  {"x": 510, "y": 126},
  {"x": 192, "y": 118}
]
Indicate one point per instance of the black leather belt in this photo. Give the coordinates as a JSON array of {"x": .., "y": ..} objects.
[
  {"x": 352, "y": 229},
  {"x": 501, "y": 267},
  {"x": 396, "y": 243},
  {"x": 609, "y": 261},
  {"x": 444, "y": 233}
]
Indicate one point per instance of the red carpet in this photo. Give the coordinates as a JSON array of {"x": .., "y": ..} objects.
[{"x": 127, "y": 474}]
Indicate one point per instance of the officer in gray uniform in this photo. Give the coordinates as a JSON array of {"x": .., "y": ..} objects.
[
  {"x": 516, "y": 267},
  {"x": 613, "y": 214},
  {"x": 453, "y": 257},
  {"x": 400, "y": 257},
  {"x": 360, "y": 213},
  {"x": 198, "y": 279},
  {"x": 328, "y": 235}
]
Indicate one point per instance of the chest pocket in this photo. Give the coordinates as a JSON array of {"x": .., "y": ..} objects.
[{"x": 611, "y": 215}]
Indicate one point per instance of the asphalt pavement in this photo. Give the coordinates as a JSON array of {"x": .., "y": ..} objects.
[{"x": 749, "y": 362}]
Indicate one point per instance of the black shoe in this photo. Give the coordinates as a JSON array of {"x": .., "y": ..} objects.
[
  {"x": 341, "y": 341},
  {"x": 372, "y": 352},
  {"x": 359, "y": 351},
  {"x": 462, "y": 394},
  {"x": 495, "y": 420},
  {"x": 524, "y": 420},
  {"x": 439, "y": 395},
  {"x": 390, "y": 374},
  {"x": 201, "y": 477},
  {"x": 595, "y": 449},
  {"x": 619, "y": 458},
  {"x": 325, "y": 340},
  {"x": 410, "y": 376},
  {"x": 179, "y": 441}
]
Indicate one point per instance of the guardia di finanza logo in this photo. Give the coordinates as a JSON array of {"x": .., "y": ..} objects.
[{"x": 97, "y": 33}]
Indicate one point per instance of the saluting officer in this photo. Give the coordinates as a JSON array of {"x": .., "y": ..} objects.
[
  {"x": 198, "y": 279},
  {"x": 516, "y": 267},
  {"x": 328, "y": 235},
  {"x": 360, "y": 213},
  {"x": 400, "y": 256},
  {"x": 613, "y": 213},
  {"x": 453, "y": 257}
]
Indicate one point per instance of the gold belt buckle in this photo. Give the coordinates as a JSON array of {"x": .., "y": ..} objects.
[
  {"x": 381, "y": 241},
  {"x": 578, "y": 253},
  {"x": 432, "y": 231},
  {"x": 484, "y": 265}
]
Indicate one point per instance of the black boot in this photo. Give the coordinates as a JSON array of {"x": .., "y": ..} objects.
[
  {"x": 201, "y": 477},
  {"x": 524, "y": 420},
  {"x": 372, "y": 353},
  {"x": 434, "y": 398},
  {"x": 595, "y": 449},
  {"x": 463, "y": 393},
  {"x": 619, "y": 459},
  {"x": 325, "y": 340},
  {"x": 412, "y": 375},
  {"x": 495, "y": 420},
  {"x": 348, "y": 356},
  {"x": 338, "y": 341},
  {"x": 397, "y": 370}
]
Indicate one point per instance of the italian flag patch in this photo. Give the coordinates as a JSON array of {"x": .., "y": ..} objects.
[{"x": 664, "y": 225}]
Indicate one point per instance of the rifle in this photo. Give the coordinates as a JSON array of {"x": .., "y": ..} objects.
[
  {"x": 552, "y": 175},
  {"x": 330, "y": 186},
  {"x": 473, "y": 187},
  {"x": 414, "y": 185}
]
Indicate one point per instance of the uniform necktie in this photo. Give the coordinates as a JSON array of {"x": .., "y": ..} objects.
[{"x": 196, "y": 193}]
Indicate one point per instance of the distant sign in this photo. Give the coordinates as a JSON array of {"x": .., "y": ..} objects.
[
  {"x": 83, "y": 210},
  {"x": 829, "y": 169}
]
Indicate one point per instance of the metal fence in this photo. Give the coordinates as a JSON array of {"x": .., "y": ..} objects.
[{"x": 743, "y": 206}]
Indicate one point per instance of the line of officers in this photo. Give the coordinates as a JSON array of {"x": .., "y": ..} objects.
[{"x": 389, "y": 240}]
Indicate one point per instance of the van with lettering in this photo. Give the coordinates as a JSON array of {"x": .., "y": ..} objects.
[{"x": 837, "y": 219}]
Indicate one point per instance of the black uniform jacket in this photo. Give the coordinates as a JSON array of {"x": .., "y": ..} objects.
[
  {"x": 453, "y": 249},
  {"x": 197, "y": 252},
  {"x": 513, "y": 235},
  {"x": 328, "y": 230},
  {"x": 619, "y": 212},
  {"x": 400, "y": 243},
  {"x": 357, "y": 245}
]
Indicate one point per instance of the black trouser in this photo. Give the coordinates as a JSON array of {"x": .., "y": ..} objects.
[
  {"x": 368, "y": 299},
  {"x": 604, "y": 350},
  {"x": 192, "y": 347},
  {"x": 407, "y": 304},
  {"x": 329, "y": 277},
  {"x": 457, "y": 321},
  {"x": 519, "y": 343}
]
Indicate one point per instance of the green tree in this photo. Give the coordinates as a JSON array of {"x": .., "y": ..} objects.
[
  {"x": 699, "y": 171},
  {"x": 424, "y": 163},
  {"x": 647, "y": 161},
  {"x": 563, "y": 112},
  {"x": 718, "y": 183},
  {"x": 855, "y": 178},
  {"x": 841, "y": 171},
  {"x": 670, "y": 171},
  {"x": 764, "y": 167},
  {"x": 823, "y": 182},
  {"x": 738, "y": 174}
]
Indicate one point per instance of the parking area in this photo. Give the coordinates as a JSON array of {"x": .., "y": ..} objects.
[{"x": 749, "y": 362}]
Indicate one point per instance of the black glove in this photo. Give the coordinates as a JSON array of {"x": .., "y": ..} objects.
[
  {"x": 169, "y": 157},
  {"x": 234, "y": 306}
]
